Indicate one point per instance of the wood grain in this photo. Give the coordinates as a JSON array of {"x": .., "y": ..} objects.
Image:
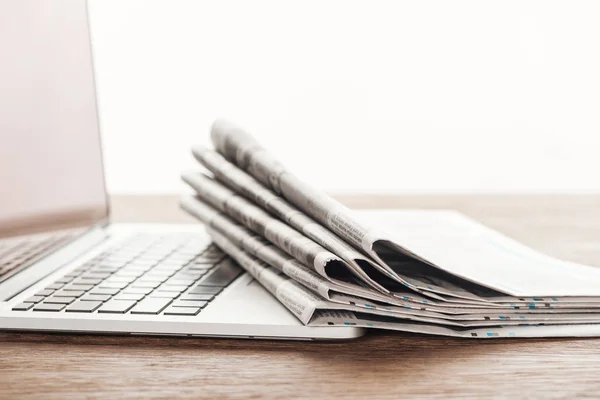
[{"x": 378, "y": 366}]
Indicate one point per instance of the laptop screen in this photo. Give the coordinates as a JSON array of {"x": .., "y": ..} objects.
[{"x": 51, "y": 173}]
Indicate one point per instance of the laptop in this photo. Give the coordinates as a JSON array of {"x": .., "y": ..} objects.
[{"x": 63, "y": 266}]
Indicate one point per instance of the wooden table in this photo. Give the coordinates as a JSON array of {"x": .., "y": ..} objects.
[{"x": 380, "y": 365}]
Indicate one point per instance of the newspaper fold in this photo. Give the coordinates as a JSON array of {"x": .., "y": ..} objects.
[
  {"x": 294, "y": 243},
  {"x": 248, "y": 187},
  {"x": 525, "y": 273},
  {"x": 259, "y": 247}
]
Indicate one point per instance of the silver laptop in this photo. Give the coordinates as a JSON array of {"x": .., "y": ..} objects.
[{"x": 63, "y": 266}]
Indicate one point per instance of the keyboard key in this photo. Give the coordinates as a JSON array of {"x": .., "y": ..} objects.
[
  {"x": 157, "y": 275},
  {"x": 137, "y": 290},
  {"x": 182, "y": 311},
  {"x": 48, "y": 307},
  {"x": 90, "y": 264},
  {"x": 176, "y": 255},
  {"x": 73, "y": 287},
  {"x": 99, "y": 257},
  {"x": 54, "y": 286},
  {"x": 90, "y": 281},
  {"x": 163, "y": 295},
  {"x": 44, "y": 293},
  {"x": 199, "y": 289},
  {"x": 144, "y": 263},
  {"x": 172, "y": 288},
  {"x": 109, "y": 291},
  {"x": 95, "y": 297},
  {"x": 70, "y": 293},
  {"x": 120, "y": 279},
  {"x": 193, "y": 249},
  {"x": 78, "y": 270},
  {"x": 105, "y": 269},
  {"x": 145, "y": 284},
  {"x": 84, "y": 306},
  {"x": 189, "y": 303},
  {"x": 23, "y": 307},
  {"x": 192, "y": 269},
  {"x": 150, "y": 306},
  {"x": 59, "y": 300},
  {"x": 34, "y": 299},
  {"x": 115, "y": 261},
  {"x": 123, "y": 273},
  {"x": 179, "y": 282},
  {"x": 173, "y": 263},
  {"x": 153, "y": 254},
  {"x": 222, "y": 275},
  {"x": 130, "y": 296},
  {"x": 116, "y": 306},
  {"x": 150, "y": 279},
  {"x": 166, "y": 268},
  {"x": 196, "y": 297},
  {"x": 176, "y": 284},
  {"x": 96, "y": 275},
  {"x": 112, "y": 285},
  {"x": 187, "y": 276},
  {"x": 135, "y": 268}
]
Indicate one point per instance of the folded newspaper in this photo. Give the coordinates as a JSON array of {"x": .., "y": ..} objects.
[{"x": 431, "y": 272}]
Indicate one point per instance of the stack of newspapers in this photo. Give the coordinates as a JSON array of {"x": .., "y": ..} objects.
[{"x": 431, "y": 272}]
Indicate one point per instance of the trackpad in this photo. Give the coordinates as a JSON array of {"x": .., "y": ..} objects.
[{"x": 247, "y": 302}]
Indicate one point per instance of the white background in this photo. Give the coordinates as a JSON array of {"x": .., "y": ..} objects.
[{"x": 421, "y": 96}]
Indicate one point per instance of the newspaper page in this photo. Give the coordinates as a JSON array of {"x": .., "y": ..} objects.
[
  {"x": 277, "y": 232},
  {"x": 248, "y": 187},
  {"x": 261, "y": 248},
  {"x": 459, "y": 255},
  {"x": 410, "y": 299},
  {"x": 333, "y": 290},
  {"x": 286, "y": 237},
  {"x": 355, "y": 299},
  {"x": 300, "y": 301},
  {"x": 243, "y": 150},
  {"x": 295, "y": 297},
  {"x": 313, "y": 311},
  {"x": 254, "y": 191},
  {"x": 346, "y": 318}
]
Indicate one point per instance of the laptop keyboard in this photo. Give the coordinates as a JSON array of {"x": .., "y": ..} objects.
[
  {"x": 18, "y": 252},
  {"x": 169, "y": 274}
]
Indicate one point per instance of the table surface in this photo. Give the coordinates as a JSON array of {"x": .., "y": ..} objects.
[{"x": 379, "y": 365}]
